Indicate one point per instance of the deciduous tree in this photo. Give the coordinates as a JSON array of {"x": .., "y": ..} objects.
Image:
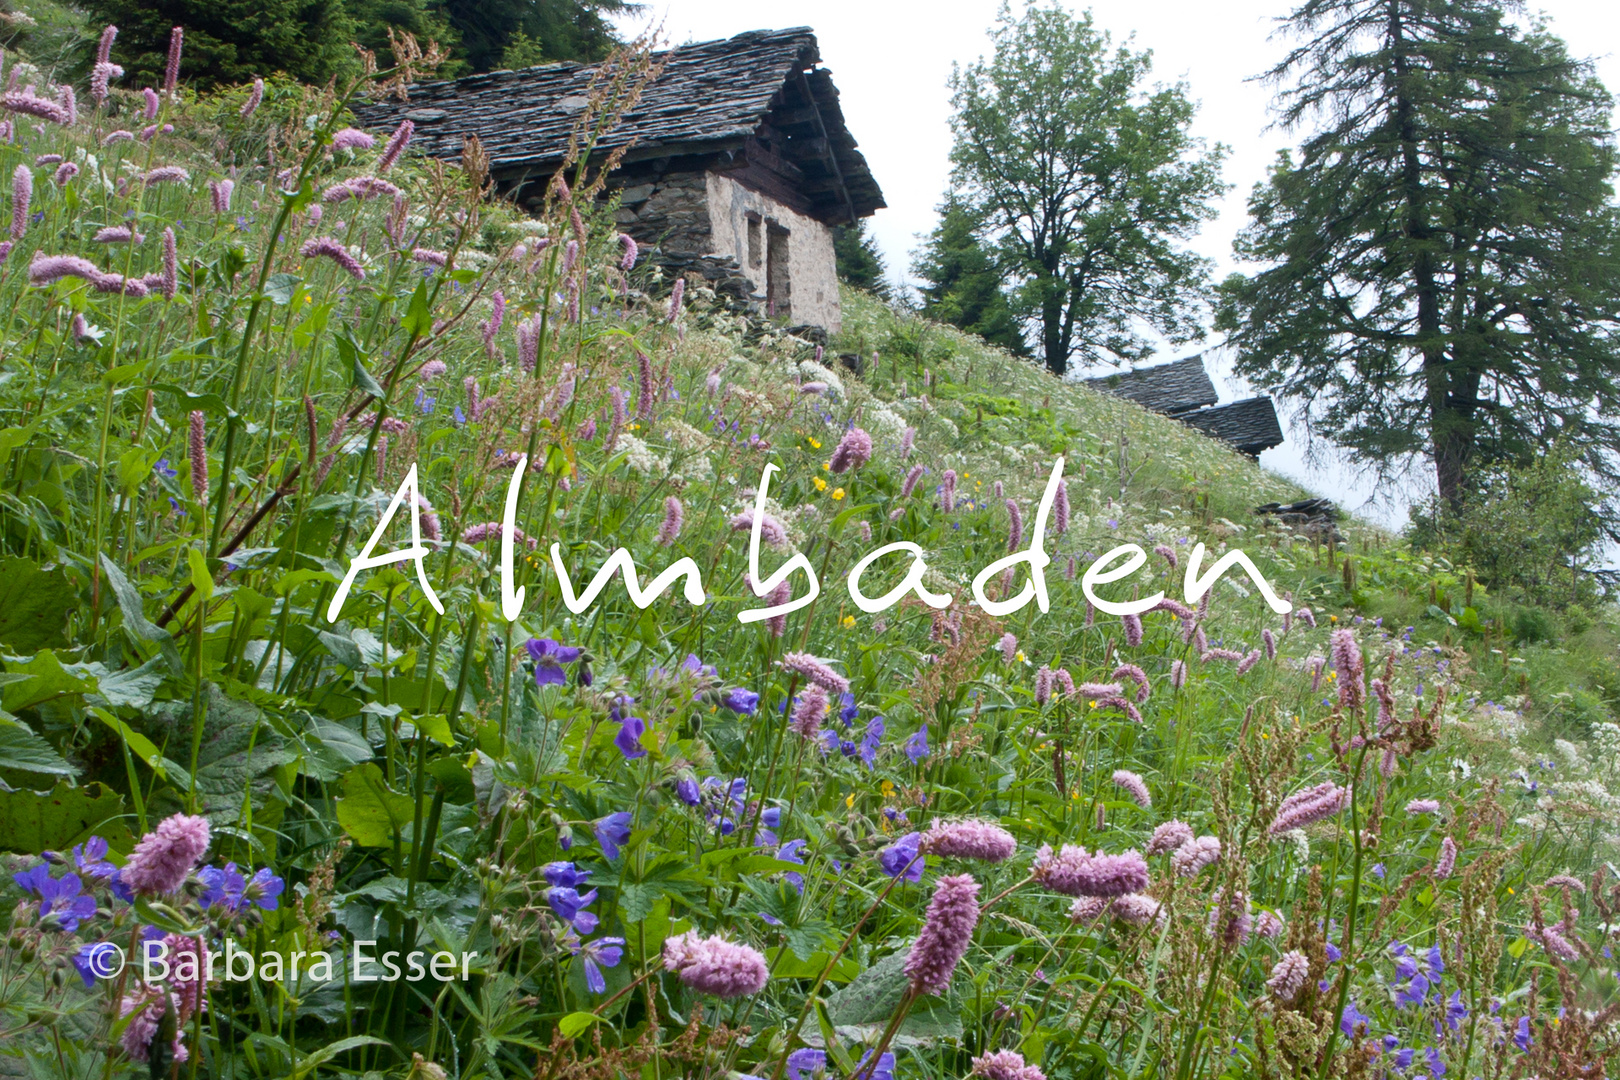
[{"x": 1086, "y": 184}]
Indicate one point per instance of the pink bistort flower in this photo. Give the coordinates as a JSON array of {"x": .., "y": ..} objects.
[
  {"x": 972, "y": 839},
  {"x": 713, "y": 965},
  {"x": 165, "y": 856},
  {"x": 953, "y": 913},
  {"x": 853, "y": 451}
]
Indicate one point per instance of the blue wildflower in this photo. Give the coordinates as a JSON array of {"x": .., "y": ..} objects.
[
  {"x": 565, "y": 875},
  {"x": 917, "y": 745},
  {"x": 612, "y": 832},
  {"x": 740, "y": 701},
  {"x": 596, "y": 955},
  {"x": 96, "y": 960},
  {"x": 806, "y": 1064},
  {"x": 900, "y": 859},
  {"x": 1351, "y": 1019},
  {"x": 60, "y": 899},
  {"x": 548, "y": 657},
  {"x": 570, "y": 905},
  {"x": 1521, "y": 1034},
  {"x": 791, "y": 852}
]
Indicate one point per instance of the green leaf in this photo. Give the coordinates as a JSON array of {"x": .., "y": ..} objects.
[
  {"x": 132, "y": 688},
  {"x": 281, "y": 288},
  {"x": 129, "y": 602},
  {"x": 370, "y": 811},
  {"x": 139, "y": 744},
  {"x": 212, "y": 404},
  {"x": 436, "y": 727},
  {"x": 351, "y": 354},
  {"x": 23, "y": 751},
  {"x": 201, "y": 579},
  {"x": 576, "y": 1022},
  {"x": 34, "y": 605},
  {"x": 35, "y": 821},
  {"x": 46, "y": 678},
  {"x": 418, "y": 320}
]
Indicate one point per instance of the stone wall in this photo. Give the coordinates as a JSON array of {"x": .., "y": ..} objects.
[
  {"x": 811, "y": 295},
  {"x": 699, "y": 224}
]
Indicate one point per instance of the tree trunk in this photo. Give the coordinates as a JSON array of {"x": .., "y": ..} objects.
[
  {"x": 1054, "y": 347},
  {"x": 1450, "y": 436}
]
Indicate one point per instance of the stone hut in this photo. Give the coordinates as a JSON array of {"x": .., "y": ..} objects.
[
  {"x": 736, "y": 167},
  {"x": 1182, "y": 389}
]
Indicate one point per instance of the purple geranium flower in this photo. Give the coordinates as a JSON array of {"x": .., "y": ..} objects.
[
  {"x": 60, "y": 899},
  {"x": 596, "y": 955},
  {"x": 872, "y": 740},
  {"x": 565, "y": 875},
  {"x": 570, "y": 905},
  {"x": 223, "y": 887},
  {"x": 95, "y": 960},
  {"x": 628, "y": 740},
  {"x": 740, "y": 701},
  {"x": 686, "y": 790},
  {"x": 612, "y": 832},
  {"x": 1521, "y": 1034},
  {"x": 91, "y": 859},
  {"x": 549, "y": 657},
  {"x": 791, "y": 852},
  {"x": 901, "y": 858},
  {"x": 917, "y": 745},
  {"x": 264, "y": 889},
  {"x": 1351, "y": 1018}
]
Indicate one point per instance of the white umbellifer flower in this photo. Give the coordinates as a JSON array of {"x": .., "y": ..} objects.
[
  {"x": 810, "y": 371},
  {"x": 640, "y": 457}
]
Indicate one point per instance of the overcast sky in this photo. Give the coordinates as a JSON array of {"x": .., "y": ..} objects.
[{"x": 891, "y": 60}]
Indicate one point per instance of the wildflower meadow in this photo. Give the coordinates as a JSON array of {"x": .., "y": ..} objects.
[{"x": 273, "y": 806}]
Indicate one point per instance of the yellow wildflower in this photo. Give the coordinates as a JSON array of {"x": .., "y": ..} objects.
[
  {"x": 849, "y": 800},
  {"x": 814, "y": 445},
  {"x": 887, "y": 789},
  {"x": 838, "y": 493},
  {"x": 821, "y": 485},
  {"x": 848, "y": 622}
]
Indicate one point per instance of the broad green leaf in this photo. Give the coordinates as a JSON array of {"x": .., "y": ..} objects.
[
  {"x": 129, "y": 602},
  {"x": 281, "y": 288},
  {"x": 47, "y": 678},
  {"x": 132, "y": 688},
  {"x": 370, "y": 811},
  {"x": 23, "y": 751},
  {"x": 34, "y": 605},
  {"x": 35, "y": 821}
]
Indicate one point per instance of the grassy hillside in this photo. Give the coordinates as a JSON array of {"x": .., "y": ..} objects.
[{"x": 1216, "y": 841}]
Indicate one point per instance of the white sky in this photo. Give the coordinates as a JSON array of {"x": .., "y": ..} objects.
[{"x": 891, "y": 58}]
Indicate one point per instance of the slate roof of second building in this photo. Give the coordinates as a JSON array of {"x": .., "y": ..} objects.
[
  {"x": 1248, "y": 426},
  {"x": 1177, "y": 387}
]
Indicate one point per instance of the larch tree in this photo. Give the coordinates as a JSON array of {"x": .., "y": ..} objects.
[
  {"x": 1441, "y": 256},
  {"x": 1086, "y": 184}
]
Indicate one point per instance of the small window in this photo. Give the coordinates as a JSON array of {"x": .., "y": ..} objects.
[
  {"x": 756, "y": 254},
  {"x": 778, "y": 286}
]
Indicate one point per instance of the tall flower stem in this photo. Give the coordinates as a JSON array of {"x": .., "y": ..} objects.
[{"x": 1326, "y": 1064}]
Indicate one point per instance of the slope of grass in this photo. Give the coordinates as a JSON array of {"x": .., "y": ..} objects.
[{"x": 191, "y": 464}]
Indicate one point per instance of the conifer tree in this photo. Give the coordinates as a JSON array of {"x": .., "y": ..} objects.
[{"x": 1441, "y": 256}]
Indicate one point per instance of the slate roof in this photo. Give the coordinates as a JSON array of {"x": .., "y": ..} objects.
[
  {"x": 1176, "y": 387},
  {"x": 711, "y": 98},
  {"x": 1249, "y": 426}
]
